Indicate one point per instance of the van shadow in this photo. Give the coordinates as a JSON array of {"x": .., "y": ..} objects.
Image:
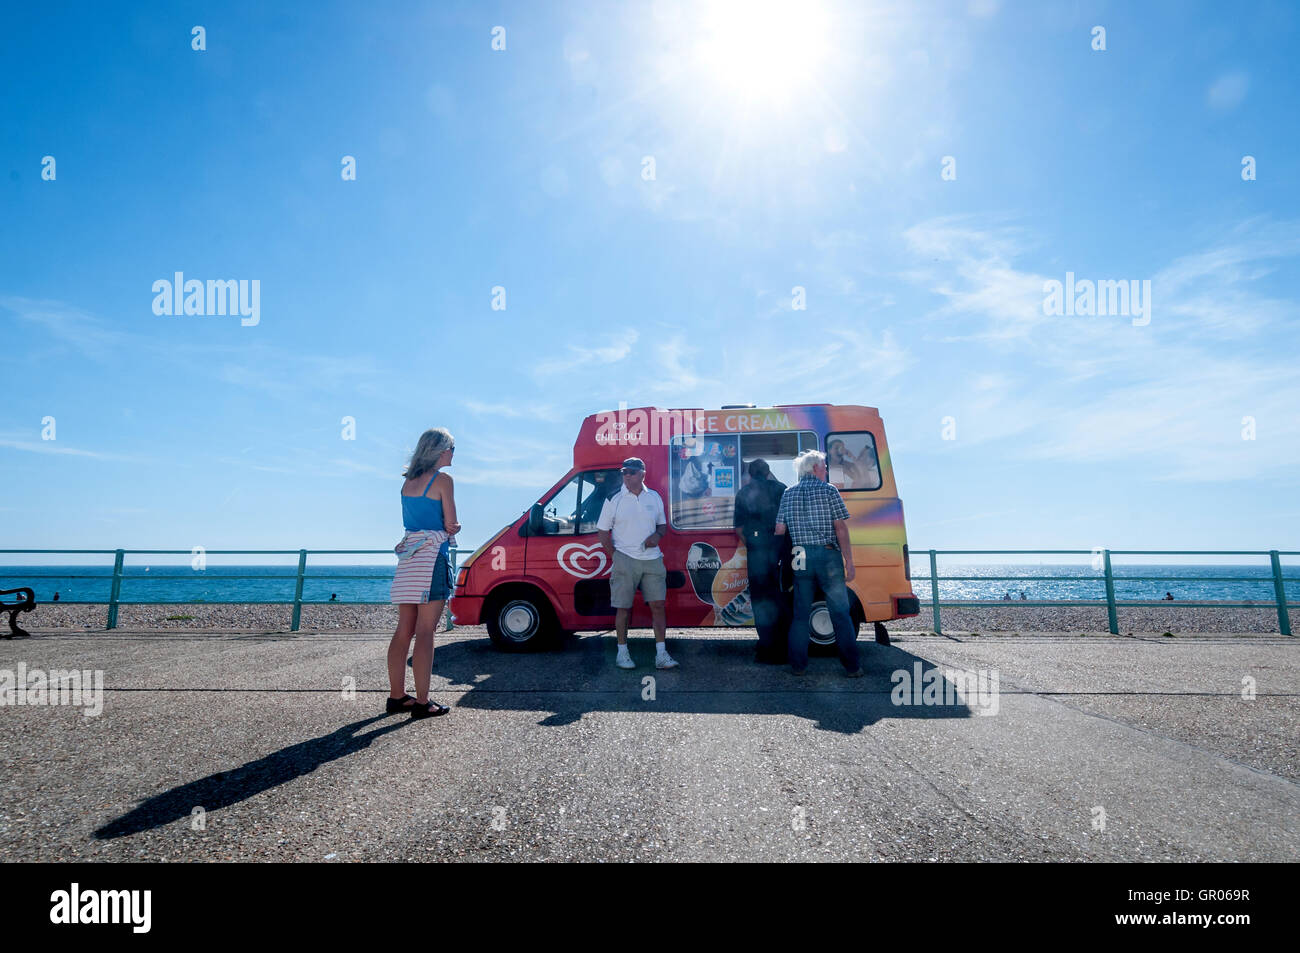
[
  {"x": 717, "y": 676},
  {"x": 225, "y": 788}
]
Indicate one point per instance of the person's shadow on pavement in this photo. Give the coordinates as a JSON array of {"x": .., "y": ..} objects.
[{"x": 230, "y": 787}]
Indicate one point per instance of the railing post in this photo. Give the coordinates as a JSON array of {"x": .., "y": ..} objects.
[
  {"x": 934, "y": 594},
  {"x": 297, "y": 592},
  {"x": 1111, "y": 617},
  {"x": 116, "y": 590},
  {"x": 446, "y": 609},
  {"x": 1279, "y": 589}
]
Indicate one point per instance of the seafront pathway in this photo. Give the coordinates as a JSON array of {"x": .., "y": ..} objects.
[{"x": 235, "y": 746}]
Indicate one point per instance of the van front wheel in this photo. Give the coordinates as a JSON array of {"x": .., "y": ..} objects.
[{"x": 520, "y": 621}]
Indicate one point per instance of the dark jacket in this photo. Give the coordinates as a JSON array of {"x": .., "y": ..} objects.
[{"x": 755, "y": 511}]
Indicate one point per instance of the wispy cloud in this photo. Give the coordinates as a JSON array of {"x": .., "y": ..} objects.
[
  {"x": 282, "y": 372},
  {"x": 90, "y": 334},
  {"x": 1168, "y": 398},
  {"x": 288, "y": 373},
  {"x": 525, "y": 410},
  {"x": 617, "y": 348},
  {"x": 1228, "y": 91},
  {"x": 971, "y": 268},
  {"x": 54, "y": 447}
]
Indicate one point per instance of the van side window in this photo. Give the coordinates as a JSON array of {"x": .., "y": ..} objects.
[
  {"x": 851, "y": 462},
  {"x": 557, "y": 512},
  {"x": 597, "y": 487},
  {"x": 576, "y": 506},
  {"x": 707, "y": 470}
]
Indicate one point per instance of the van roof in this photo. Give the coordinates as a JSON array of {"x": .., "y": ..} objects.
[
  {"x": 736, "y": 407},
  {"x": 597, "y": 445}
]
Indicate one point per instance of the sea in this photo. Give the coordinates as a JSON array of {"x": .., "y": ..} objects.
[{"x": 369, "y": 583}]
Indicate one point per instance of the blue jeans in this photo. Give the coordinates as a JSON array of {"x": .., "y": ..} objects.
[{"x": 824, "y": 567}]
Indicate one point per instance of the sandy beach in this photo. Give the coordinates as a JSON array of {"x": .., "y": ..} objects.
[{"x": 1007, "y": 617}]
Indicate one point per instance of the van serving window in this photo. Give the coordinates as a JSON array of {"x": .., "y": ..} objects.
[
  {"x": 851, "y": 462},
  {"x": 709, "y": 469}
]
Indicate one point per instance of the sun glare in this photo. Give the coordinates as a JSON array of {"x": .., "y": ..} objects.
[{"x": 764, "y": 49}]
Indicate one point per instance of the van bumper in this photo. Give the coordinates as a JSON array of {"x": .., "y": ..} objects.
[
  {"x": 906, "y": 606},
  {"x": 467, "y": 610}
]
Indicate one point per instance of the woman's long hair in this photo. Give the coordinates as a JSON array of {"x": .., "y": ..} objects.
[{"x": 433, "y": 444}]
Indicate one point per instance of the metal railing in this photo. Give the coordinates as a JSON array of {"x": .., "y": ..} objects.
[
  {"x": 1108, "y": 577},
  {"x": 300, "y": 577}
]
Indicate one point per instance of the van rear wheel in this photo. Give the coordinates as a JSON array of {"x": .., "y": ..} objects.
[
  {"x": 520, "y": 621},
  {"x": 821, "y": 630}
]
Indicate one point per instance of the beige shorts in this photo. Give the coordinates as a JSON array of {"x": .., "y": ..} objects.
[{"x": 628, "y": 573}]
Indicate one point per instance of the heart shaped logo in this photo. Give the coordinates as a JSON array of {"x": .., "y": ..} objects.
[{"x": 585, "y": 562}]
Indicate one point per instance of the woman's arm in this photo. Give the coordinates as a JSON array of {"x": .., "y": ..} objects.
[{"x": 447, "y": 493}]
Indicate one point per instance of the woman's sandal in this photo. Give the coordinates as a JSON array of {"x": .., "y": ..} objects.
[
  {"x": 431, "y": 710},
  {"x": 396, "y": 705}
]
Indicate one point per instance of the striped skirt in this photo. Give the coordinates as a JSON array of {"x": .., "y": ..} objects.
[{"x": 417, "y": 554}]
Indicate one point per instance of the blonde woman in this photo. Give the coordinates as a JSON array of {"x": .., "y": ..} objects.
[{"x": 422, "y": 583}]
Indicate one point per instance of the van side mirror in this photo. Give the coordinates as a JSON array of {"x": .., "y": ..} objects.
[{"x": 535, "y": 527}]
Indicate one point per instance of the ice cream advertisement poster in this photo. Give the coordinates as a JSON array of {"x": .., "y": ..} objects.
[
  {"x": 704, "y": 479},
  {"x": 724, "y": 586}
]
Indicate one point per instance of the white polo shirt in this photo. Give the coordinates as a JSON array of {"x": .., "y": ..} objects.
[{"x": 633, "y": 518}]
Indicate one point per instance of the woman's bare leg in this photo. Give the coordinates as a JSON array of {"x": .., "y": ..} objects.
[
  {"x": 398, "y": 648},
  {"x": 426, "y": 623}
]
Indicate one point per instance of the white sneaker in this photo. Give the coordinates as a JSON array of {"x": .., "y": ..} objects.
[
  {"x": 665, "y": 661},
  {"x": 625, "y": 661}
]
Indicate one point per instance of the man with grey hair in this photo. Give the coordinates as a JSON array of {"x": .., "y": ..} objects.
[{"x": 814, "y": 514}]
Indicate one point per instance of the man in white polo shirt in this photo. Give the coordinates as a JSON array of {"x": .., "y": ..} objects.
[{"x": 631, "y": 523}]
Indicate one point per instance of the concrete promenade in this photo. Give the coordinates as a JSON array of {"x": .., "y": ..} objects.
[{"x": 1095, "y": 747}]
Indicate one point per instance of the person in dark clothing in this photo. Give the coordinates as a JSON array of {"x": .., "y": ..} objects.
[
  {"x": 766, "y": 556},
  {"x": 606, "y": 484}
]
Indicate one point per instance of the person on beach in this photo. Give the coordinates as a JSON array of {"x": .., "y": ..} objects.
[
  {"x": 754, "y": 519},
  {"x": 422, "y": 583},
  {"x": 813, "y": 513},
  {"x": 631, "y": 523}
]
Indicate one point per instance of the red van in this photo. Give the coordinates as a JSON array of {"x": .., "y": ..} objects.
[{"x": 547, "y": 573}]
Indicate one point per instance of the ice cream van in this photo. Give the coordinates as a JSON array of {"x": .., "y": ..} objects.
[{"x": 546, "y": 573}]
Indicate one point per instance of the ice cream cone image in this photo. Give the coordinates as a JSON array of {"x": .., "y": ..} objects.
[{"x": 731, "y": 592}]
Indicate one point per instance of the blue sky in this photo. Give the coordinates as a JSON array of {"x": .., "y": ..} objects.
[{"x": 800, "y": 149}]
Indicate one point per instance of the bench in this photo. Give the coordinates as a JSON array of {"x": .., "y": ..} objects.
[{"x": 27, "y": 604}]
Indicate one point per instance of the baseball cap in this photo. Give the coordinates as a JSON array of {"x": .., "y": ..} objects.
[{"x": 634, "y": 463}]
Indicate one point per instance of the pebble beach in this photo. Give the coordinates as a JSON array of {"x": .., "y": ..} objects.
[{"x": 997, "y": 618}]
